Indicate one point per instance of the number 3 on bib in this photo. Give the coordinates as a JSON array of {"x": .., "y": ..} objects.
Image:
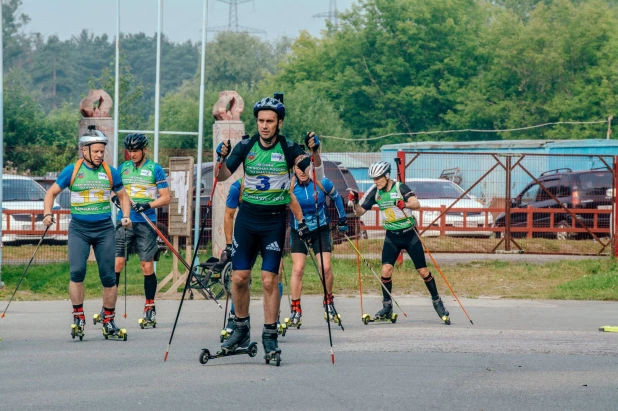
[{"x": 264, "y": 183}]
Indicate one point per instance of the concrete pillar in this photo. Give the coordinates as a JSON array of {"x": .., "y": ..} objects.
[{"x": 95, "y": 109}]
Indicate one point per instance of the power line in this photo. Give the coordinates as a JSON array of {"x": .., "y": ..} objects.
[
  {"x": 471, "y": 130},
  {"x": 332, "y": 14},
  {"x": 233, "y": 20}
]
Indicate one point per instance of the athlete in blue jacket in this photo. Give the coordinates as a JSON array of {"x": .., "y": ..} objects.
[{"x": 303, "y": 189}]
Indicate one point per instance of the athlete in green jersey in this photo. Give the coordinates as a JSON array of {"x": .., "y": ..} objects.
[
  {"x": 393, "y": 198},
  {"x": 268, "y": 159}
]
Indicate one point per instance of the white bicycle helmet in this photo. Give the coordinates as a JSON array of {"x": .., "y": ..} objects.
[
  {"x": 379, "y": 169},
  {"x": 92, "y": 137}
]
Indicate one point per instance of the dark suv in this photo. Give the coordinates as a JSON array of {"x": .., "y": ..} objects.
[{"x": 584, "y": 190}]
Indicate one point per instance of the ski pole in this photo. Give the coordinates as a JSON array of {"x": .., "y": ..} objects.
[
  {"x": 190, "y": 273},
  {"x": 125, "y": 273},
  {"x": 435, "y": 263},
  {"x": 374, "y": 273},
  {"x": 315, "y": 198},
  {"x": 358, "y": 267},
  {"x": 285, "y": 279},
  {"x": 25, "y": 270}
]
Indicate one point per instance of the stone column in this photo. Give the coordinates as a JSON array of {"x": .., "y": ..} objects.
[
  {"x": 228, "y": 126},
  {"x": 95, "y": 109}
]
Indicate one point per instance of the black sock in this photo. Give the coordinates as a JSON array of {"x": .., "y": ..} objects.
[
  {"x": 150, "y": 286},
  {"x": 388, "y": 284},
  {"x": 270, "y": 326},
  {"x": 241, "y": 319},
  {"x": 431, "y": 286},
  {"x": 117, "y": 279}
]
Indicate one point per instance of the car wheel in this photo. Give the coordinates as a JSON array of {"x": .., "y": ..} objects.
[{"x": 563, "y": 235}]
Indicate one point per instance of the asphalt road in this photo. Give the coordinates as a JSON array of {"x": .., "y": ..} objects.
[{"x": 518, "y": 355}]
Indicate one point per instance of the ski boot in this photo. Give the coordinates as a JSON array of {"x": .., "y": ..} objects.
[
  {"x": 384, "y": 315},
  {"x": 333, "y": 315},
  {"x": 238, "y": 343},
  {"x": 228, "y": 330},
  {"x": 282, "y": 327},
  {"x": 110, "y": 330},
  {"x": 295, "y": 318},
  {"x": 79, "y": 323},
  {"x": 442, "y": 312},
  {"x": 98, "y": 318},
  {"x": 149, "y": 317},
  {"x": 271, "y": 348}
]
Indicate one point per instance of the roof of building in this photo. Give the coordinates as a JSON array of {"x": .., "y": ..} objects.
[{"x": 498, "y": 144}]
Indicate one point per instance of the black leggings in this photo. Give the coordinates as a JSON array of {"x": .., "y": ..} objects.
[{"x": 397, "y": 240}]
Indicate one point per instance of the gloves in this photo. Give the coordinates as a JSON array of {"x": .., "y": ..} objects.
[
  {"x": 400, "y": 204},
  {"x": 316, "y": 141},
  {"x": 352, "y": 198},
  {"x": 342, "y": 225},
  {"x": 223, "y": 150},
  {"x": 116, "y": 201},
  {"x": 303, "y": 230},
  {"x": 140, "y": 207},
  {"x": 227, "y": 252}
]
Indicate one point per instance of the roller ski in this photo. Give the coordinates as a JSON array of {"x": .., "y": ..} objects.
[
  {"x": 78, "y": 326},
  {"x": 282, "y": 327},
  {"x": 226, "y": 333},
  {"x": 442, "y": 312},
  {"x": 238, "y": 343},
  {"x": 386, "y": 314},
  {"x": 271, "y": 348},
  {"x": 295, "y": 318},
  {"x": 149, "y": 317},
  {"x": 110, "y": 330},
  {"x": 333, "y": 315},
  {"x": 98, "y": 318}
]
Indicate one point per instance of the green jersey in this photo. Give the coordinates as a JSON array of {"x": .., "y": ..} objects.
[
  {"x": 267, "y": 178},
  {"x": 90, "y": 192},
  {"x": 392, "y": 217}
]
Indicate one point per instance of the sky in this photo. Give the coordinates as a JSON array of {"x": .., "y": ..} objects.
[{"x": 182, "y": 19}]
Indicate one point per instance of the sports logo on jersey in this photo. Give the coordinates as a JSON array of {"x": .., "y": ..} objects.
[
  {"x": 126, "y": 171},
  {"x": 276, "y": 157},
  {"x": 146, "y": 173},
  {"x": 378, "y": 197},
  {"x": 395, "y": 195},
  {"x": 80, "y": 175},
  {"x": 251, "y": 155},
  {"x": 103, "y": 176},
  {"x": 274, "y": 246}
]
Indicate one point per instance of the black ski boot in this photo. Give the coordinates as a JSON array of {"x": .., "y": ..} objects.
[
  {"x": 386, "y": 312},
  {"x": 271, "y": 348},
  {"x": 229, "y": 328},
  {"x": 333, "y": 315},
  {"x": 110, "y": 330},
  {"x": 239, "y": 339},
  {"x": 442, "y": 312},
  {"x": 79, "y": 323}
]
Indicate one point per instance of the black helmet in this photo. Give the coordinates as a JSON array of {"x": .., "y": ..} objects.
[
  {"x": 269, "y": 103},
  {"x": 135, "y": 141}
]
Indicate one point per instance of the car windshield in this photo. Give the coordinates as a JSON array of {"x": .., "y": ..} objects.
[
  {"x": 596, "y": 183},
  {"x": 435, "y": 189},
  {"x": 21, "y": 190}
]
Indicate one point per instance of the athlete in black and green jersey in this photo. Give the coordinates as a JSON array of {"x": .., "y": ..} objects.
[
  {"x": 393, "y": 198},
  {"x": 267, "y": 159}
]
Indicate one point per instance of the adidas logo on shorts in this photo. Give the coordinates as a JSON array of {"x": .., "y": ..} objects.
[{"x": 273, "y": 246}]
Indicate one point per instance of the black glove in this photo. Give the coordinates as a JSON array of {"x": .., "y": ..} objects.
[
  {"x": 116, "y": 201},
  {"x": 316, "y": 140},
  {"x": 227, "y": 252},
  {"x": 342, "y": 225},
  {"x": 140, "y": 207},
  {"x": 223, "y": 150},
  {"x": 303, "y": 230}
]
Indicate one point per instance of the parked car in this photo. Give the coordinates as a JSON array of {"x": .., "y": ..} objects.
[
  {"x": 437, "y": 192},
  {"x": 586, "y": 190},
  {"x": 23, "y": 193}
]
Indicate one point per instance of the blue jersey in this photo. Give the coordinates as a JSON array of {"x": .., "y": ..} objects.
[
  {"x": 233, "y": 196},
  {"x": 64, "y": 179},
  {"x": 305, "y": 197}
]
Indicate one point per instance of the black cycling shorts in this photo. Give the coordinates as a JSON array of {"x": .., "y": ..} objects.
[
  {"x": 253, "y": 233},
  {"x": 298, "y": 246},
  {"x": 140, "y": 239},
  {"x": 397, "y": 240},
  {"x": 98, "y": 235}
]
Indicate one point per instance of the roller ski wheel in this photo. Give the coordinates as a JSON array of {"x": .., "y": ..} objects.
[
  {"x": 273, "y": 356},
  {"x": 442, "y": 312},
  {"x": 226, "y": 333},
  {"x": 98, "y": 318},
  {"x": 149, "y": 319},
  {"x": 78, "y": 326},
  {"x": 367, "y": 319},
  {"x": 110, "y": 330},
  {"x": 282, "y": 329},
  {"x": 251, "y": 350},
  {"x": 271, "y": 348},
  {"x": 295, "y": 320}
]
